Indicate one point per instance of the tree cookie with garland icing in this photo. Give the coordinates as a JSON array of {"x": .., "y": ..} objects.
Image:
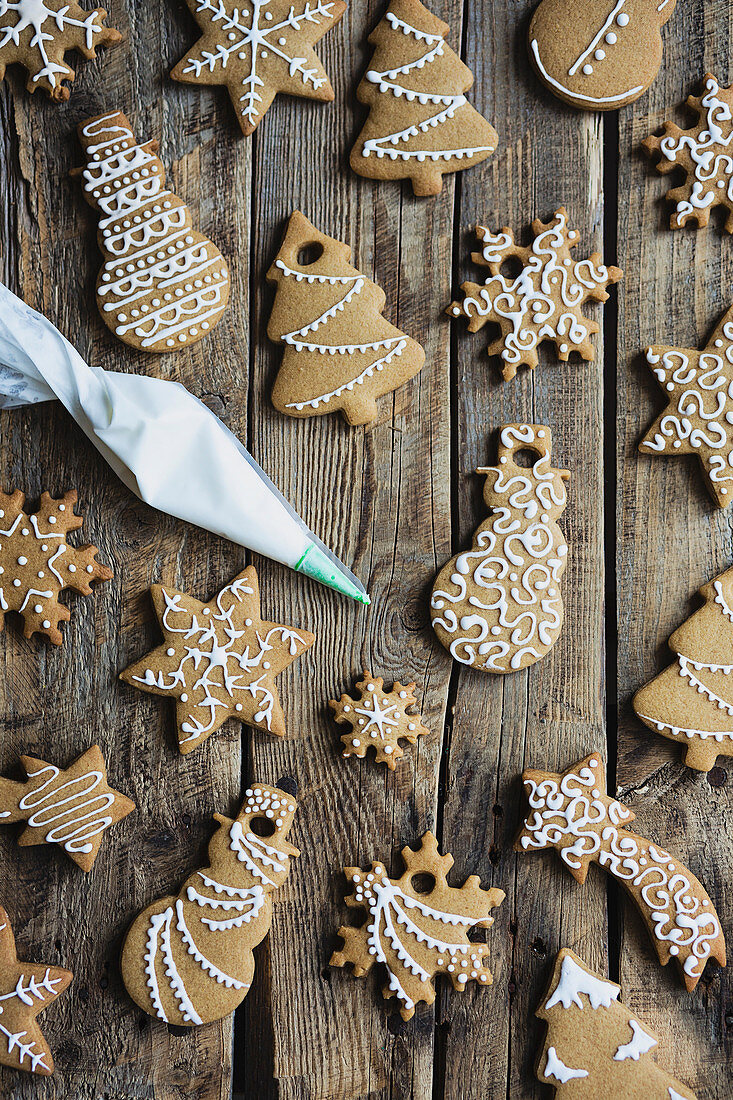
[
  {"x": 25, "y": 990},
  {"x": 416, "y": 934},
  {"x": 218, "y": 660},
  {"x": 601, "y": 54},
  {"x": 420, "y": 124},
  {"x": 498, "y": 606},
  {"x": 259, "y": 48},
  {"x": 543, "y": 302},
  {"x": 691, "y": 701},
  {"x": 37, "y": 563},
  {"x": 188, "y": 960},
  {"x": 72, "y": 808},
  {"x": 595, "y": 1048},
  {"x": 704, "y": 153},
  {"x": 38, "y": 33},
  {"x": 339, "y": 354},
  {"x": 163, "y": 285},
  {"x": 379, "y": 719},
  {"x": 572, "y": 813}
]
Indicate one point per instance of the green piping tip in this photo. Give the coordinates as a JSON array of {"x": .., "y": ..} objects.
[{"x": 317, "y": 564}]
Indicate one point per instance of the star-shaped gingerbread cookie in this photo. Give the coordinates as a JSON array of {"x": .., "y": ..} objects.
[
  {"x": 37, "y": 34},
  {"x": 219, "y": 660},
  {"x": 25, "y": 990},
  {"x": 72, "y": 808},
  {"x": 258, "y": 48},
  {"x": 699, "y": 413},
  {"x": 378, "y": 719}
]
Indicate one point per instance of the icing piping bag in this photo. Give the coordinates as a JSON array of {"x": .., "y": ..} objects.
[{"x": 164, "y": 444}]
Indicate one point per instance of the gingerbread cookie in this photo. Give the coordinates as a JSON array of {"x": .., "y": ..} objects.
[
  {"x": 71, "y": 808},
  {"x": 218, "y": 660},
  {"x": 188, "y": 959},
  {"x": 498, "y": 606},
  {"x": 259, "y": 48},
  {"x": 37, "y": 563},
  {"x": 543, "y": 302},
  {"x": 572, "y": 813},
  {"x": 417, "y": 934},
  {"x": 25, "y": 990},
  {"x": 595, "y": 1048},
  {"x": 379, "y": 719},
  {"x": 420, "y": 124},
  {"x": 704, "y": 153},
  {"x": 37, "y": 34},
  {"x": 601, "y": 54},
  {"x": 692, "y": 700},
  {"x": 699, "y": 413},
  {"x": 163, "y": 283},
  {"x": 340, "y": 353}
]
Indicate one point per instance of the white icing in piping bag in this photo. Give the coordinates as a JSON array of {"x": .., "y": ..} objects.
[{"x": 164, "y": 444}]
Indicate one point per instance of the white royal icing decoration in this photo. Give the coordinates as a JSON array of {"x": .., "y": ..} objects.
[
  {"x": 28, "y": 990},
  {"x": 575, "y": 983},
  {"x": 71, "y": 827},
  {"x": 641, "y": 1042},
  {"x": 555, "y": 1067},
  {"x": 35, "y": 15}
]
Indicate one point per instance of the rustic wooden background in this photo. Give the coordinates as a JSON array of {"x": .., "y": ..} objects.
[{"x": 393, "y": 501}]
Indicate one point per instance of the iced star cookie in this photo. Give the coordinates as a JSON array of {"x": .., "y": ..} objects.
[
  {"x": 37, "y": 563},
  {"x": 379, "y": 719},
  {"x": 25, "y": 990},
  {"x": 37, "y": 34},
  {"x": 257, "y": 48},
  {"x": 218, "y": 660},
  {"x": 601, "y": 54}
]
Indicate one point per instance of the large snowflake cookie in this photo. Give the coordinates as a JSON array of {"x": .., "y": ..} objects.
[
  {"x": 163, "y": 284},
  {"x": 416, "y": 934},
  {"x": 37, "y": 563},
  {"x": 218, "y": 660},
  {"x": 258, "y": 48},
  {"x": 37, "y": 34},
  {"x": 379, "y": 719},
  {"x": 704, "y": 153},
  {"x": 543, "y": 302},
  {"x": 25, "y": 990}
]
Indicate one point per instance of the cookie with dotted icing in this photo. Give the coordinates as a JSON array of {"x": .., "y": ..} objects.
[
  {"x": 188, "y": 960},
  {"x": 416, "y": 933},
  {"x": 163, "y": 285},
  {"x": 601, "y": 54},
  {"x": 38, "y": 33},
  {"x": 218, "y": 660},
  {"x": 37, "y": 563},
  {"x": 379, "y": 719}
]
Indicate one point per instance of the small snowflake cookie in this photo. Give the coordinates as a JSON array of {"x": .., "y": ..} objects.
[
  {"x": 379, "y": 719},
  {"x": 25, "y": 990},
  {"x": 37, "y": 34},
  {"x": 258, "y": 48},
  {"x": 543, "y": 302},
  {"x": 598, "y": 55},
  {"x": 420, "y": 124},
  {"x": 37, "y": 563},
  {"x": 416, "y": 934},
  {"x": 218, "y": 660},
  {"x": 704, "y": 153}
]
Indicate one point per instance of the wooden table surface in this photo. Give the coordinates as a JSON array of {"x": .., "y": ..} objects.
[{"x": 393, "y": 501}]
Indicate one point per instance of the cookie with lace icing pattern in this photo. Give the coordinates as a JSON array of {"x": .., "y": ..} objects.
[{"x": 379, "y": 719}]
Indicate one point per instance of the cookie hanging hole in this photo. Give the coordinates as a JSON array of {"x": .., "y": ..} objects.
[
  {"x": 262, "y": 826},
  {"x": 511, "y": 268},
  {"x": 309, "y": 253},
  {"x": 422, "y": 883},
  {"x": 525, "y": 457}
]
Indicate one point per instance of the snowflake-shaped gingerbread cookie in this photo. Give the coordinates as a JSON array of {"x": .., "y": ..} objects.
[
  {"x": 258, "y": 48},
  {"x": 543, "y": 302},
  {"x": 37, "y": 563},
  {"x": 379, "y": 719},
  {"x": 704, "y": 153},
  {"x": 37, "y": 34}
]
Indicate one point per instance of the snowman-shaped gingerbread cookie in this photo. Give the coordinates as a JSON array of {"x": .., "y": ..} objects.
[{"x": 601, "y": 54}]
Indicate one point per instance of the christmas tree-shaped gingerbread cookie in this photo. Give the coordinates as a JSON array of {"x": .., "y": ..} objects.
[
  {"x": 691, "y": 701},
  {"x": 340, "y": 353},
  {"x": 163, "y": 285},
  {"x": 498, "y": 607},
  {"x": 420, "y": 124},
  {"x": 596, "y": 1048}
]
